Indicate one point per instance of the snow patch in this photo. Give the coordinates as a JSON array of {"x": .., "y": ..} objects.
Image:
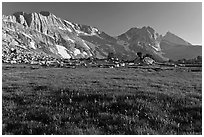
[
  {"x": 32, "y": 44},
  {"x": 22, "y": 20},
  {"x": 69, "y": 29},
  {"x": 157, "y": 45},
  {"x": 85, "y": 44},
  {"x": 65, "y": 29},
  {"x": 54, "y": 16},
  {"x": 155, "y": 48},
  {"x": 70, "y": 40},
  {"x": 128, "y": 37},
  {"x": 149, "y": 33},
  {"x": 63, "y": 51},
  {"x": 81, "y": 32},
  {"x": 76, "y": 51},
  {"x": 62, "y": 28},
  {"x": 94, "y": 31},
  {"x": 26, "y": 35},
  {"x": 84, "y": 53}
]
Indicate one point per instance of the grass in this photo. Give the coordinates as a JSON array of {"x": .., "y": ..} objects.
[{"x": 100, "y": 101}]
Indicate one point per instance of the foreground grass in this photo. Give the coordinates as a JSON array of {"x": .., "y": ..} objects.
[{"x": 100, "y": 101}]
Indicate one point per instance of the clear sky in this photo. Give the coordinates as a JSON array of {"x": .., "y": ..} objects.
[{"x": 182, "y": 19}]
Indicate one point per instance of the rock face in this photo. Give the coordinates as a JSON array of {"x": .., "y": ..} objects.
[
  {"x": 144, "y": 40},
  {"x": 44, "y": 33}
]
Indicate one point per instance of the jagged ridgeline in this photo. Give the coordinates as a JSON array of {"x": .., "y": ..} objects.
[{"x": 47, "y": 34}]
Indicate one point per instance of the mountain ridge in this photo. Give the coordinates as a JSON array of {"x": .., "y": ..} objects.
[
  {"x": 66, "y": 39},
  {"x": 168, "y": 36}
]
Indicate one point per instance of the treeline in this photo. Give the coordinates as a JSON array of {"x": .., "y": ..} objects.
[
  {"x": 140, "y": 55},
  {"x": 197, "y": 60}
]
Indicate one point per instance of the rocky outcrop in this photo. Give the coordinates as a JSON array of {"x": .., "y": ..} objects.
[{"x": 44, "y": 31}]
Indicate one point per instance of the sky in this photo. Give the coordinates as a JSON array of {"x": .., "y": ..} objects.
[{"x": 183, "y": 19}]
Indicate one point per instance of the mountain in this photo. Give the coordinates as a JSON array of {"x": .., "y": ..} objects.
[
  {"x": 46, "y": 34},
  {"x": 174, "y": 40},
  {"x": 144, "y": 40},
  {"x": 176, "y": 48}
]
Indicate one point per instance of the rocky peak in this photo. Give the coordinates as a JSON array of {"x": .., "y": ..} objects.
[
  {"x": 145, "y": 34},
  {"x": 45, "y": 21},
  {"x": 23, "y": 18},
  {"x": 172, "y": 38},
  {"x": 135, "y": 32},
  {"x": 142, "y": 37}
]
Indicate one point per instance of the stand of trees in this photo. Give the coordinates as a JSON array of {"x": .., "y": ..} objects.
[
  {"x": 140, "y": 56},
  {"x": 197, "y": 60}
]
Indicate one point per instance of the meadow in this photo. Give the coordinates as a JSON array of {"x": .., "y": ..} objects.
[{"x": 130, "y": 101}]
